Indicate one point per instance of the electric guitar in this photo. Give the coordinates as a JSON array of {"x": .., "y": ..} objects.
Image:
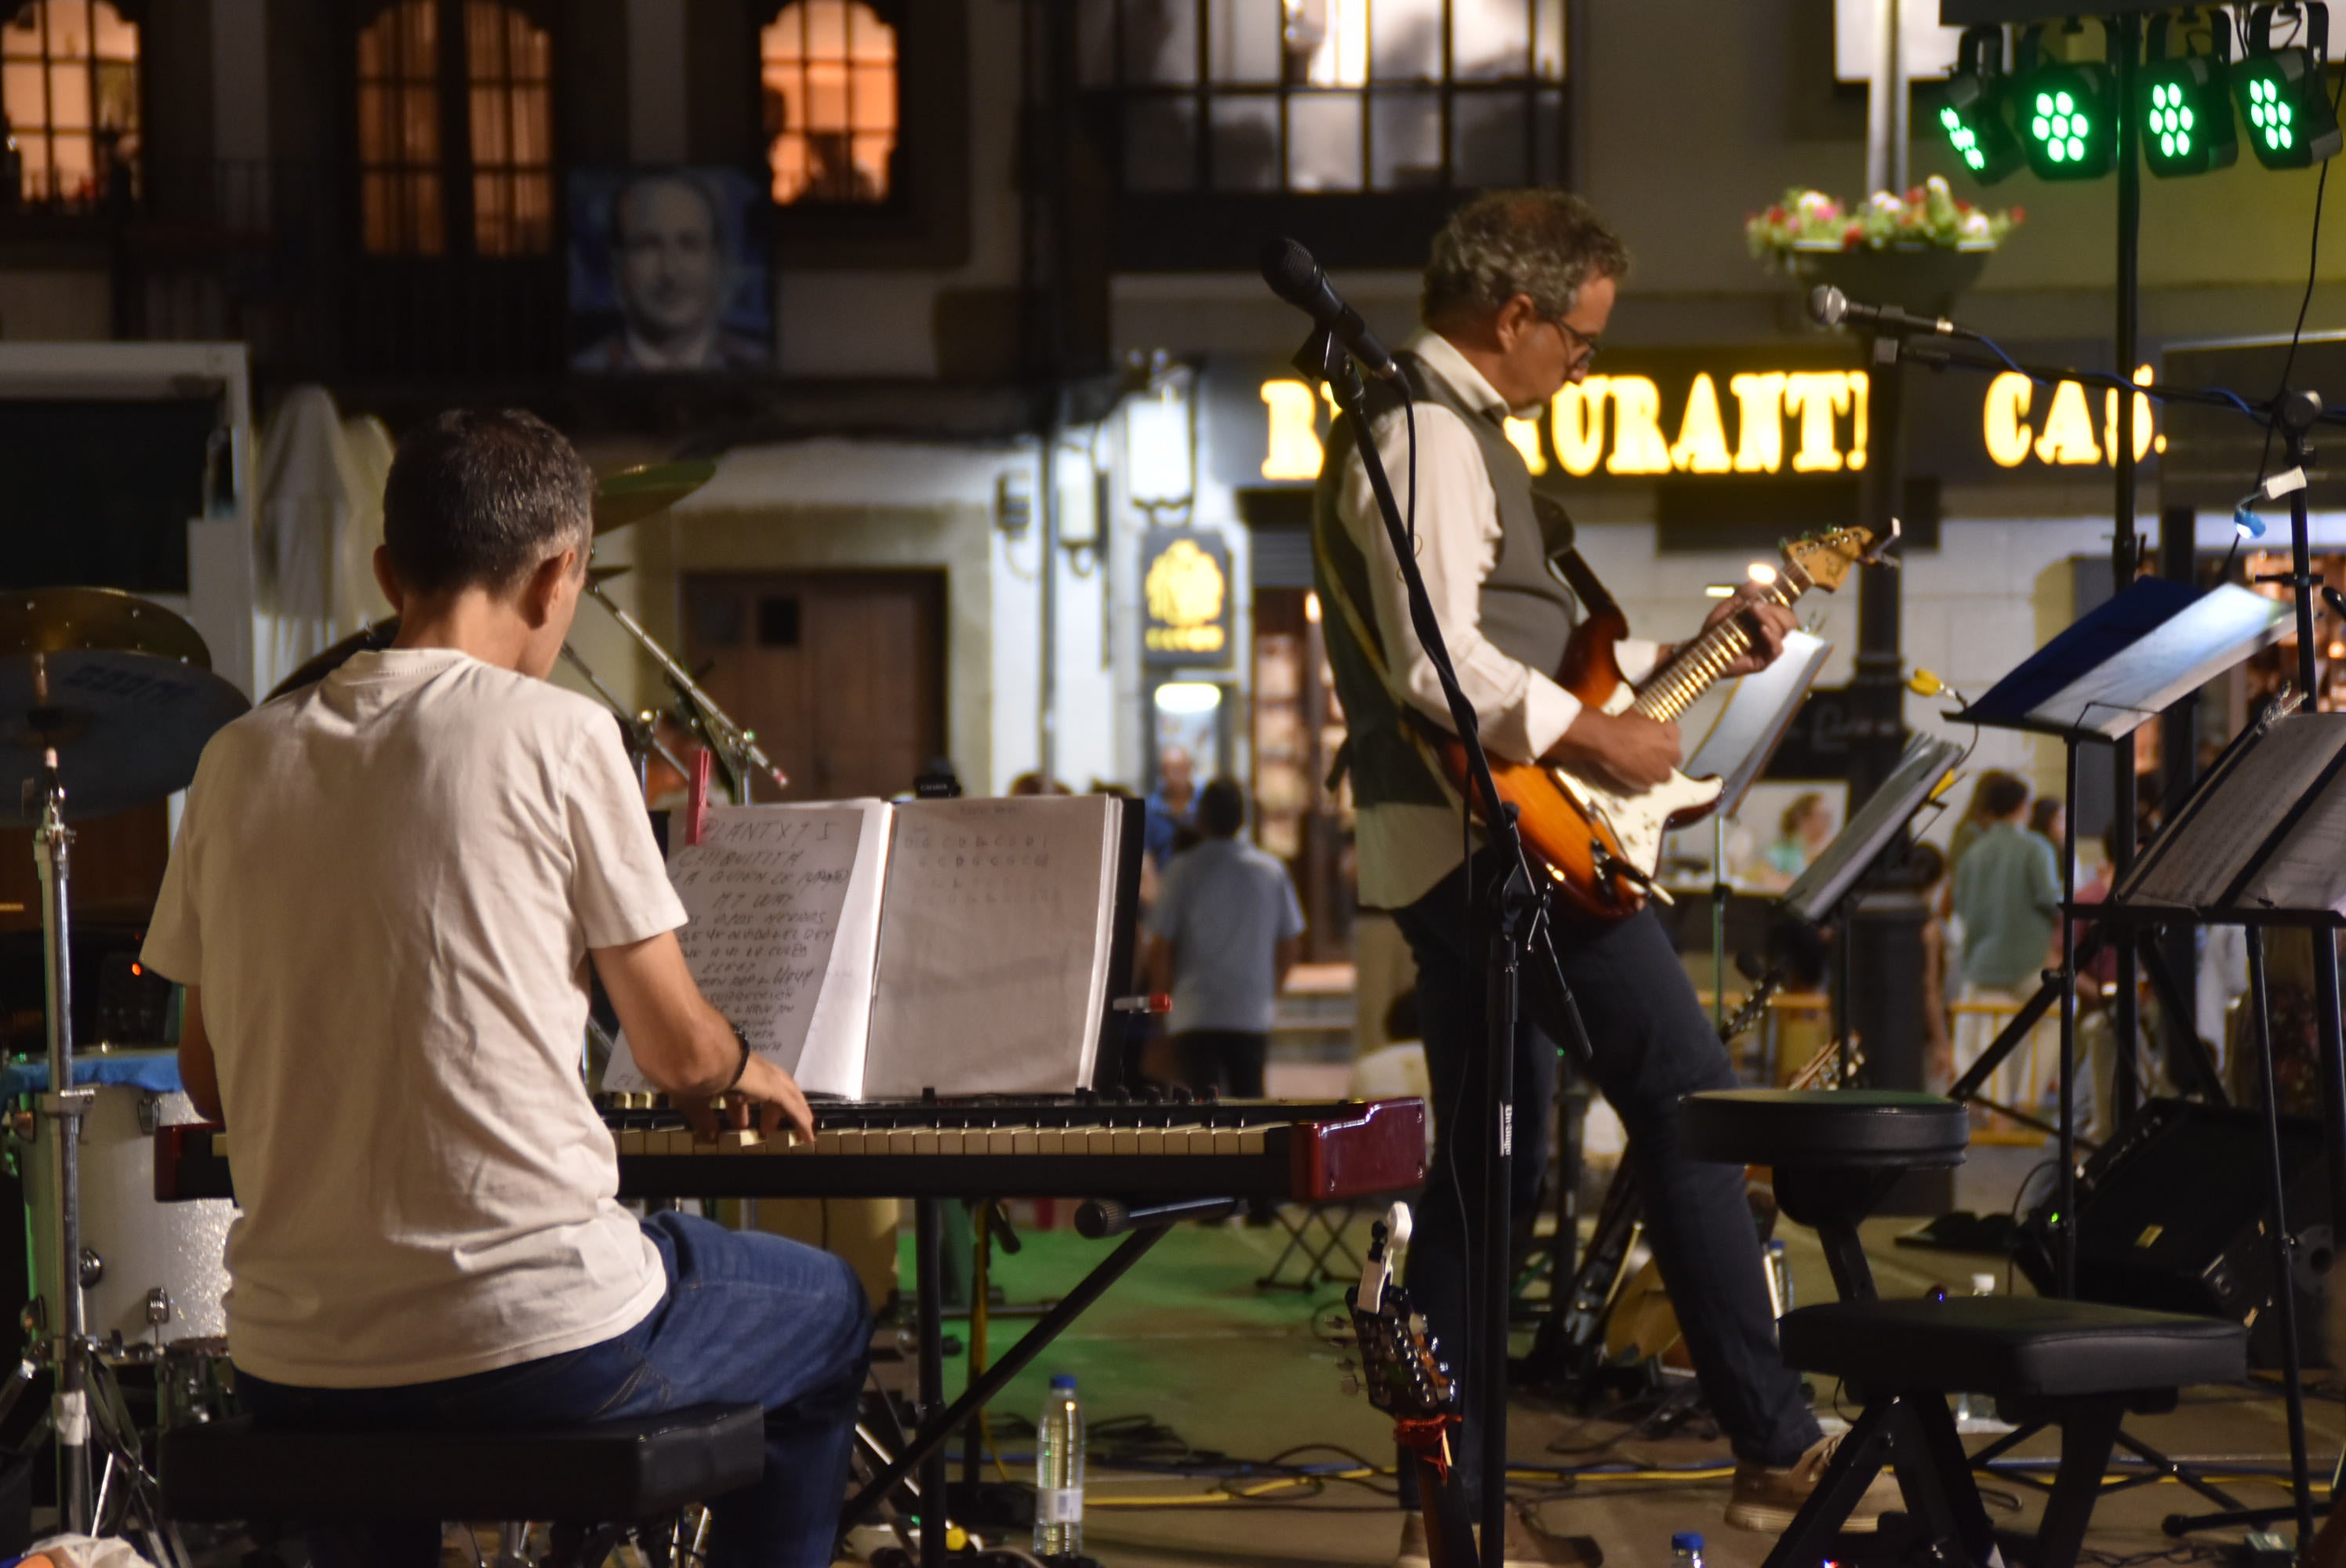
[
  {"x": 1601, "y": 846},
  {"x": 1406, "y": 1378}
]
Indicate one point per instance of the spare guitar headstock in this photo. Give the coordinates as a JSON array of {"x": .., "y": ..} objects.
[{"x": 1825, "y": 559}]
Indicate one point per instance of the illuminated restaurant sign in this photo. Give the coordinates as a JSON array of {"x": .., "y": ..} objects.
[
  {"x": 1185, "y": 595},
  {"x": 1694, "y": 412}
]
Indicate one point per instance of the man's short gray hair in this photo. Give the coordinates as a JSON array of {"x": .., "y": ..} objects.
[{"x": 1543, "y": 243}]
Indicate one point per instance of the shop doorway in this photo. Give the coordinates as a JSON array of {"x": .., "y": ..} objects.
[
  {"x": 1297, "y": 727},
  {"x": 841, "y": 674}
]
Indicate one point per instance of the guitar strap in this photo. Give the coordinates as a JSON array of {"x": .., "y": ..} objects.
[{"x": 1594, "y": 599}]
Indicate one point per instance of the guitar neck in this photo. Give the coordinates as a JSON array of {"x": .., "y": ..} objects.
[{"x": 1682, "y": 679}]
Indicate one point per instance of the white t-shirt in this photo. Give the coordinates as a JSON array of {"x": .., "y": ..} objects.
[{"x": 386, "y": 887}]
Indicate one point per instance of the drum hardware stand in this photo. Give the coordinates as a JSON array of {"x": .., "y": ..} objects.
[
  {"x": 62, "y": 1106},
  {"x": 642, "y": 734},
  {"x": 736, "y": 748},
  {"x": 70, "y": 1352}
]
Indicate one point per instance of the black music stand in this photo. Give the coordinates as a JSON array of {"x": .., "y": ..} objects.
[
  {"x": 2119, "y": 665},
  {"x": 2259, "y": 844}
]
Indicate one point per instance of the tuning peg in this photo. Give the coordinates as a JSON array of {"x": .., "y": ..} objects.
[{"x": 1880, "y": 554}]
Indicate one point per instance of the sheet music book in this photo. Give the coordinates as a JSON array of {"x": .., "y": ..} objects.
[
  {"x": 2127, "y": 659},
  {"x": 1759, "y": 710},
  {"x": 874, "y": 949},
  {"x": 2265, "y": 833},
  {"x": 1871, "y": 826}
]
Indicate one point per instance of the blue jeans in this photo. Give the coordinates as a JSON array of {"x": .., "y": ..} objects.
[
  {"x": 747, "y": 1316},
  {"x": 1651, "y": 1046}
]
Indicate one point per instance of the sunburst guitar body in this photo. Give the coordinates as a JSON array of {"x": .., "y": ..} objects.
[{"x": 1600, "y": 846}]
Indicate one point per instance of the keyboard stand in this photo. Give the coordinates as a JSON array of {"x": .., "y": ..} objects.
[
  {"x": 1331, "y": 1218},
  {"x": 1142, "y": 1228}
]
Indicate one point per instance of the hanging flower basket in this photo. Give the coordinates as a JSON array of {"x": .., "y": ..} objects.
[{"x": 1920, "y": 251}]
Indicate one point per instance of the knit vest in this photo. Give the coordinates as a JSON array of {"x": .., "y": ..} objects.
[{"x": 1525, "y": 612}]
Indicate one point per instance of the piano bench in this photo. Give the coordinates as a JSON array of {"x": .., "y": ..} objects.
[
  {"x": 2079, "y": 1366},
  {"x": 609, "y": 1473}
]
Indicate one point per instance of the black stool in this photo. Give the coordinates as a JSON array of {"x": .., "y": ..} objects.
[
  {"x": 609, "y": 1473},
  {"x": 2073, "y": 1365}
]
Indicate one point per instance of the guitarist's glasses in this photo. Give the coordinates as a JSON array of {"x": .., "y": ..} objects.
[{"x": 1588, "y": 345}]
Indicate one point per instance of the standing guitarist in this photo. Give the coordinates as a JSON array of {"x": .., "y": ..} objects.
[{"x": 1516, "y": 296}]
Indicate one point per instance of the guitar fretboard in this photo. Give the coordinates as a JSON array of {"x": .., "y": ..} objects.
[{"x": 1692, "y": 670}]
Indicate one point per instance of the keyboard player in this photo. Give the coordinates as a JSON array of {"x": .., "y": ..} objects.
[{"x": 382, "y": 900}]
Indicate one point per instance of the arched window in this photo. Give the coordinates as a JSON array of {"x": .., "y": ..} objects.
[
  {"x": 69, "y": 89},
  {"x": 828, "y": 71},
  {"x": 487, "y": 177}
]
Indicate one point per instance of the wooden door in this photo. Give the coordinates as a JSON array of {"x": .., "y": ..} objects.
[{"x": 841, "y": 674}]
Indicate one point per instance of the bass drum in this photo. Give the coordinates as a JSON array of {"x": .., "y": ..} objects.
[{"x": 160, "y": 1271}]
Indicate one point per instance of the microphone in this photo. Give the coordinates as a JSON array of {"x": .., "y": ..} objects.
[
  {"x": 1297, "y": 278},
  {"x": 1830, "y": 308}
]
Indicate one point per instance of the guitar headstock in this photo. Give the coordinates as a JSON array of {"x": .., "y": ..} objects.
[
  {"x": 1400, "y": 1364},
  {"x": 1826, "y": 558}
]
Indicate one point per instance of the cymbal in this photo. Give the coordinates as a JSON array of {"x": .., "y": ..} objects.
[
  {"x": 128, "y": 726},
  {"x": 52, "y": 620},
  {"x": 320, "y": 666},
  {"x": 632, "y": 494}
]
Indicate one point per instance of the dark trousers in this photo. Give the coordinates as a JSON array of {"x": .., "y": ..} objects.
[
  {"x": 1226, "y": 1061},
  {"x": 1651, "y": 1046},
  {"x": 747, "y": 1316}
]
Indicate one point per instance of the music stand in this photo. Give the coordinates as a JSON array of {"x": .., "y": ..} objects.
[
  {"x": 1743, "y": 738},
  {"x": 2257, "y": 845},
  {"x": 2120, "y": 664}
]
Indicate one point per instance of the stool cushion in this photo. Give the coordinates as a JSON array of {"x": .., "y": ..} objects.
[
  {"x": 1843, "y": 1129},
  {"x": 607, "y": 1473},
  {"x": 2011, "y": 1345}
]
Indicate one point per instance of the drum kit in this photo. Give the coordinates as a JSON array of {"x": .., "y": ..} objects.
[{"x": 107, "y": 701}]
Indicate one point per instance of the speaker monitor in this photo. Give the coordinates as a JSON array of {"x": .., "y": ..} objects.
[{"x": 2175, "y": 1213}]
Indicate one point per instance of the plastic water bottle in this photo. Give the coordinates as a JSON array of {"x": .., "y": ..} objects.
[
  {"x": 1974, "y": 1410},
  {"x": 1059, "y": 1474},
  {"x": 1686, "y": 1551}
]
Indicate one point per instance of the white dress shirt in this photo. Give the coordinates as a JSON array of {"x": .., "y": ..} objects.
[{"x": 1405, "y": 850}]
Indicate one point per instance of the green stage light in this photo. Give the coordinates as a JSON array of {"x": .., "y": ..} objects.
[
  {"x": 2067, "y": 126},
  {"x": 2284, "y": 94},
  {"x": 1973, "y": 114},
  {"x": 2185, "y": 110}
]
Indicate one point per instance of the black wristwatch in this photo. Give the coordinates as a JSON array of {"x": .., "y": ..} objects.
[{"x": 738, "y": 1072}]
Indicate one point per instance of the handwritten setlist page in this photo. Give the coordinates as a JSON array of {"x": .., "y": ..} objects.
[
  {"x": 785, "y": 907},
  {"x": 994, "y": 949}
]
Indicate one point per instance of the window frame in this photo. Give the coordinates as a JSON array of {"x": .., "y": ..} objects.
[
  {"x": 895, "y": 14},
  {"x": 925, "y": 220},
  {"x": 455, "y": 169},
  {"x": 133, "y": 12},
  {"x": 1200, "y": 228}
]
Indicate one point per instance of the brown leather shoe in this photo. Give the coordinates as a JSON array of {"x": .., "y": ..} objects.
[
  {"x": 1766, "y": 1500},
  {"x": 1527, "y": 1545}
]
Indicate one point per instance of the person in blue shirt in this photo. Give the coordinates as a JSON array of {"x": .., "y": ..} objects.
[
  {"x": 1169, "y": 804},
  {"x": 1224, "y": 932}
]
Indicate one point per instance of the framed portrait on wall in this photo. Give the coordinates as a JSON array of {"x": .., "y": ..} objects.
[{"x": 669, "y": 272}]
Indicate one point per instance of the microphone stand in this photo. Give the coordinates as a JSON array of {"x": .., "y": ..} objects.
[{"x": 1515, "y": 914}]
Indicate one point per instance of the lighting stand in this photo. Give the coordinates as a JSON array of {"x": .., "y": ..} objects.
[{"x": 1515, "y": 915}]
